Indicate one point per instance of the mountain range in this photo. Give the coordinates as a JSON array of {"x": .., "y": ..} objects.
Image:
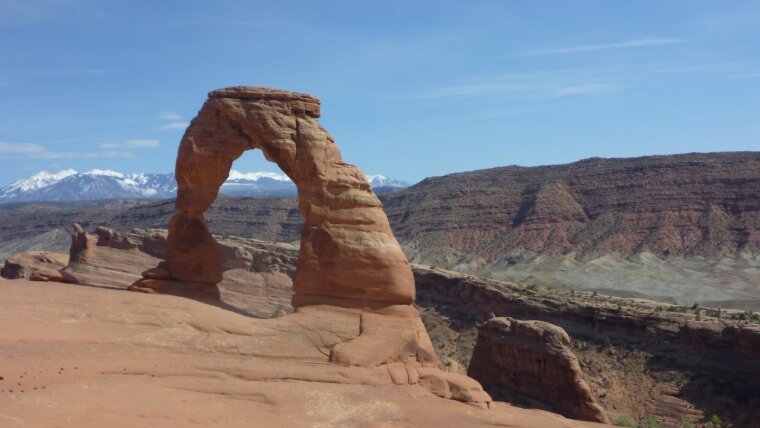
[
  {"x": 70, "y": 185},
  {"x": 683, "y": 228}
]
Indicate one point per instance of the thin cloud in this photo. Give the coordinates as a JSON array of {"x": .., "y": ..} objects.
[
  {"x": 746, "y": 76},
  {"x": 172, "y": 126},
  {"x": 11, "y": 150},
  {"x": 170, "y": 116},
  {"x": 583, "y": 89},
  {"x": 24, "y": 150},
  {"x": 70, "y": 72},
  {"x": 520, "y": 90},
  {"x": 607, "y": 46},
  {"x": 175, "y": 121},
  {"x": 139, "y": 144}
]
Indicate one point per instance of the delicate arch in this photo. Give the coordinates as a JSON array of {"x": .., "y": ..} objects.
[{"x": 348, "y": 251}]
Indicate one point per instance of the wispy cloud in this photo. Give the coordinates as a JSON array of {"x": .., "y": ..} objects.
[
  {"x": 746, "y": 76},
  {"x": 172, "y": 126},
  {"x": 637, "y": 43},
  {"x": 170, "y": 116},
  {"x": 523, "y": 91},
  {"x": 24, "y": 150},
  {"x": 175, "y": 121},
  {"x": 11, "y": 150},
  {"x": 137, "y": 144},
  {"x": 582, "y": 89},
  {"x": 70, "y": 72}
]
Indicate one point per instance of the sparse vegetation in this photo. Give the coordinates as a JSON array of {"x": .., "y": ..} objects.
[
  {"x": 679, "y": 308},
  {"x": 716, "y": 422},
  {"x": 747, "y": 316},
  {"x": 625, "y": 421},
  {"x": 650, "y": 422}
]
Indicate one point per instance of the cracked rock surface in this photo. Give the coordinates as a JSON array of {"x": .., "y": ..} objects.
[{"x": 88, "y": 356}]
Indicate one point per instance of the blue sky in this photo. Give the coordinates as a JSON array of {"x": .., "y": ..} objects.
[{"x": 409, "y": 88}]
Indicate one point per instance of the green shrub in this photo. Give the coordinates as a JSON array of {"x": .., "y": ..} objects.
[
  {"x": 650, "y": 422},
  {"x": 625, "y": 421},
  {"x": 715, "y": 422}
]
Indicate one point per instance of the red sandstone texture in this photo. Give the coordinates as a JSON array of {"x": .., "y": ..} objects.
[
  {"x": 348, "y": 261},
  {"x": 86, "y": 356},
  {"x": 29, "y": 264},
  {"x": 347, "y": 248},
  {"x": 534, "y": 358}
]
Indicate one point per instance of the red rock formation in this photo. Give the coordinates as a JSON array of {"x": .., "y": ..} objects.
[
  {"x": 100, "y": 358},
  {"x": 347, "y": 248},
  {"x": 533, "y": 358},
  {"x": 701, "y": 204},
  {"x": 28, "y": 265},
  {"x": 349, "y": 262}
]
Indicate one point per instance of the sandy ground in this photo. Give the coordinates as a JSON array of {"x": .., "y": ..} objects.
[{"x": 91, "y": 357}]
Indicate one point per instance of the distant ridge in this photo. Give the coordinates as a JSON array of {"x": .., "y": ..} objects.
[{"x": 97, "y": 184}]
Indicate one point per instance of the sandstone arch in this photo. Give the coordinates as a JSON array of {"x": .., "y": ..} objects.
[{"x": 348, "y": 254}]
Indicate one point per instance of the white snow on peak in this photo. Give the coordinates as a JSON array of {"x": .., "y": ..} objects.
[
  {"x": 255, "y": 176},
  {"x": 39, "y": 180},
  {"x": 377, "y": 180},
  {"x": 107, "y": 172},
  {"x": 57, "y": 175}
]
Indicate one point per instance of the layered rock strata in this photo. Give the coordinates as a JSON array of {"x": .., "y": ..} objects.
[
  {"x": 533, "y": 358},
  {"x": 638, "y": 357}
]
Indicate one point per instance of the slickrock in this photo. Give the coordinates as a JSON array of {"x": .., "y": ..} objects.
[
  {"x": 533, "y": 358},
  {"x": 91, "y": 357}
]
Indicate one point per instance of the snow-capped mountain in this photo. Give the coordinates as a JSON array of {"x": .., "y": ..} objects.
[
  {"x": 70, "y": 185},
  {"x": 258, "y": 184},
  {"x": 382, "y": 184},
  {"x": 377, "y": 180}
]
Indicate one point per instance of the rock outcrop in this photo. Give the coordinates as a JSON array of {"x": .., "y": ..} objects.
[
  {"x": 534, "y": 359},
  {"x": 349, "y": 263},
  {"x": 348, "y": 254},
  {"x": 696, "y": 204},
  {"x": 31, "y": 264},
  {"x": 111, "y": 259},
  {"x": 668, "y": 362},
  {"x": 94, "y": 357}
]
